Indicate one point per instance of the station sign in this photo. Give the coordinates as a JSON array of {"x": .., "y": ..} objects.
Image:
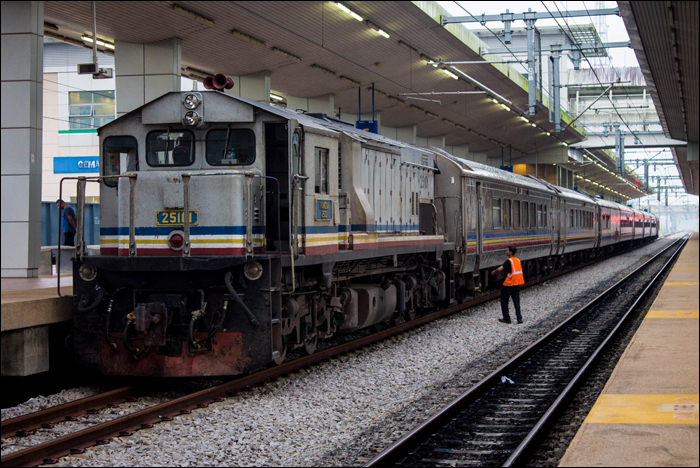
[{"x": 76, "y": 164}]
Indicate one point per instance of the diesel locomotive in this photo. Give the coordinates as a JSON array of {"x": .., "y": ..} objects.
[{"x": 234, "y": 231}]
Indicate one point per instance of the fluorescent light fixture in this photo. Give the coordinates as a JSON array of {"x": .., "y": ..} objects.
[
  {"x": 276, "y": 97},
  {"x": 505, "y": 107},
  {"x": 324, "y": 70},
  {"x": 377, "y": 28},
  {"x": 248, "y": 37},
  {"x": 547, "y": 133},
  {"x": 89, "y": 39},
  {"x": 349, "y": 11},
  {"x": 494, "y": 101},
  {"x": 565, "y": 143},
  {"x": 192, "y": 14},
  {"x": 450, "y": 74},
  {"x": 533, "y": 125},
  {"x": 427, "y": 59},
  {"x": 286, "y": 54},
  {"x": 408, "y": 46},
  {"x": 99, "y": 42},
  {"x": 523, "y": 118},
  {"x": 350, "y": 80}
]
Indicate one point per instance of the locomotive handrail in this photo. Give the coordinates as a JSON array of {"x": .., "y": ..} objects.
[{"x": 80, "y": 241}]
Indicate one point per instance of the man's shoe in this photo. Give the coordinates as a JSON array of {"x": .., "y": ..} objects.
[
  {"x": 504, "y": 321},
  {"x": 520, "y": 321}
]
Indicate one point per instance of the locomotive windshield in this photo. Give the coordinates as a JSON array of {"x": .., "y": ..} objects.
[
  {"x": 239, "y": 151},
  {"x": 119, "y": 155},
  {"x": 170, "y": 148}
]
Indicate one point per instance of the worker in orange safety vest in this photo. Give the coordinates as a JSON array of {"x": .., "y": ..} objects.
[{"x": 511, "y": 285}]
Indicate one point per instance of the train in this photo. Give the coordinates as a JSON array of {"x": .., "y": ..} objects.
[{"x": 234, "y": 232}]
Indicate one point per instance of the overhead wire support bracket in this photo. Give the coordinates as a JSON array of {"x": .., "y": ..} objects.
[{"x": 528, "y": 15}]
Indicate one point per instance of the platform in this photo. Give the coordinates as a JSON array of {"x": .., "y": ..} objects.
[
  {"x": 29, "y": 307},
  {"x": 647, "y": 414}
]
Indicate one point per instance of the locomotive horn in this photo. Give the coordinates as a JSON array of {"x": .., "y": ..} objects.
[
  {"x": 220, "y": 81},
  {"x": 208, "y": 82},
  {"x": 229, "y": 83}
]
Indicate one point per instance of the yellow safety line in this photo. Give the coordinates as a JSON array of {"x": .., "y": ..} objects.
[
  {"x": 681, "y": 283},
  {"x": 644, "y": 409},
  {"x": 672, "y": 314}
]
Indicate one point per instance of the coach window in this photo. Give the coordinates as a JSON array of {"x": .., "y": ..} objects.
[
  {"x": 496, "y": 213},
  {"x": 119, "y": 155},
  {"x": 231, "y": 147},
  {"x": 170, "y": 148},
  {"x": 516, "y": 214},
  {"x": 544, "y": 215},
  {"x": 571, "y": 221},
  {"x": 506, "y": 213},
  {"x": 533, "y": 215},
  {"x": 526, "y": 223},
  {"x": 321, "y": 162}
]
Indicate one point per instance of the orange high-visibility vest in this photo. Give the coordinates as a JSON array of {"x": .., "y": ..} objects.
[{"x": 515, "y": 277}]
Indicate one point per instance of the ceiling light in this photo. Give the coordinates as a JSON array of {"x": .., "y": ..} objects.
[
  {"x": 533, "y": 125},
  {"x": 426, "y": 59},
  {"x": 349, "y": 11},
  {"x": 248, "y": 37},
  {"x": 523, "y": 118},
  {"x": 407, "y": 46},
  {"x": 324, "y": 70},
  {"x": 185, "y": 12},
  {"x": 286, "y": 54},
  {"x": 377, "y": 28},
  {"x": 276, "y": 97},
  {"x": 450, "y": 74},
  {"x": 494, "y": 101},
  {"x": 89, "y": 39},
  {"x": 505, "y": 107},
  {"x": 350, "y": 80},
  {"x": 547, "y": 133}
]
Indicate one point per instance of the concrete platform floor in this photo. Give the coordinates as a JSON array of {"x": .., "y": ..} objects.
[
  {"x": 647, "y": 414},
  {"x": 29, "y": 302}
]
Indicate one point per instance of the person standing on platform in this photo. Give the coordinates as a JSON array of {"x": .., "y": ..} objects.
[
  {"x": 511, "y": 285},
  {"x": 67, "y": 222}
]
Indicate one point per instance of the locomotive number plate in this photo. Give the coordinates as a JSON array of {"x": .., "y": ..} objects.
[{"x": 175, "y": 218}]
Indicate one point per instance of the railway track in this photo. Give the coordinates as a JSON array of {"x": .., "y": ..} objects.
[
  {"x": 98, "y": 434},
  {"x": 500, "y": 420}
]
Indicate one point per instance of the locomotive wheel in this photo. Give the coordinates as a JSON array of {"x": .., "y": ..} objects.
[
  {"x": 279, "y": 360},
  {"x": 310, "y": 344}
]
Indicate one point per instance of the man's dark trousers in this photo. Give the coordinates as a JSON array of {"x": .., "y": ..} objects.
[{"x": 514, "y": 292}]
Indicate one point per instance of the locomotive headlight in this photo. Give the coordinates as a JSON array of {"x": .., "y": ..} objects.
[
  {"x": 191, "y": 119},
  {"x": 253, "y": 271},
  {"x": 87, "y": 272},
  {"x": 191, "y": 101}
]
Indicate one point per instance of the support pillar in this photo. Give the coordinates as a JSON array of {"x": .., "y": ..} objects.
[
  {"x": 255, "y": 86},
  {"x": 22, "y": 108},
  {"x": 145, "y": 72}
]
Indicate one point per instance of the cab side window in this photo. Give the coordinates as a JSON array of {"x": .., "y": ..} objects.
[{"x": 119, "y": 155}]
